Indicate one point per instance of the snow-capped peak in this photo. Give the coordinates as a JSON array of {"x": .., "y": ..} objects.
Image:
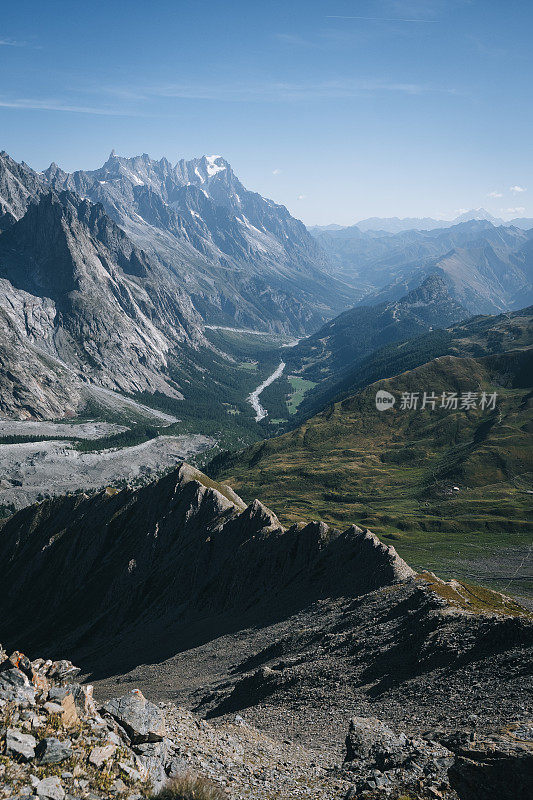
[{"x": 212, "y": 168}]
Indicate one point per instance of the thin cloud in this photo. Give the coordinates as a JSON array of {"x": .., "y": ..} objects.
[
  {"x": 276, "y": 171},
  {"x": 517, "y": 189},
  {"x": 57, "y": 105},
  {"x": 12, "y": 43},
  {"x": 517, "y": 210},
  {"x": 380, "y": 19},
  {"x": 301, "y": 197},
  {"x": 274, "y": 91},
  {"x": 495, "y": 194}
]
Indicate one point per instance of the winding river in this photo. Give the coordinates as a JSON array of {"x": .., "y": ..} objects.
[{"x": 253, "y": 398}]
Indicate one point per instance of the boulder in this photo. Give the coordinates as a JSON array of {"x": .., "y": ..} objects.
[
  {"x": 101, "y": 755},
  {"x": 53, "y": 751},
  {"x": 61, "y": 701},
  {"x": 14, "y": 685},
  {"x": 377, "y": 758},
  {"x": 50, "y": 788},
  {"x": 142, "y": 720},
  {"x": 369, "y": 738},
  {"x": 153, "y": 757},
  {"x": 61, "y": 671},
  {"x": 20, "y": 745},
  {"x": 499, "y": 766}
]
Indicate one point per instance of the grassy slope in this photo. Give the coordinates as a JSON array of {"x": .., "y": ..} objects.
[
  {"x": 476, "y": 337},
  {"x": 394, "y": 471}
]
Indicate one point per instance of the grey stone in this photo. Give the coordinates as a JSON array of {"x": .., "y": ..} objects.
[
  {"x": 142, "y": 720},
  {"x": 53, "y": 751},
  {"x": 15, "y": 686},
  {"x": 50, "y": 788},
  {"x": 20, "y": 745},
  {"x": 101, "y": 755},
  {"x": 132, "y": 773},
  {"x": 369, "y": 738}
]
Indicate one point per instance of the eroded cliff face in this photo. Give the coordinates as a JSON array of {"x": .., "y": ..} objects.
[{"x": 77, "y": 297}]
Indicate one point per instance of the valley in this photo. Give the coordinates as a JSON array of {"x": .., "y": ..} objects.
[
  {"x": 266, "y": 401},
  {"x": 396, "y": 471},
  {"x": 201, "y": 496}
]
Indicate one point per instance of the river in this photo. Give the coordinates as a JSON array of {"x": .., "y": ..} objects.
[{"x": 260, "y": 412}]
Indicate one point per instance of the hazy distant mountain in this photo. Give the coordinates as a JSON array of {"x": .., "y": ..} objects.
[
  {"x": 526, "y": 223},
  {"x": 487, "y": 274},
  {"x": 243, "y": 259},
  {"x": 487, "y": 269},
  {"x": 399, "y": 224}
]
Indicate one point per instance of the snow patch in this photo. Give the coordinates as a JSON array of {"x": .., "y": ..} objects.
[{"x": 213, "y": 168}]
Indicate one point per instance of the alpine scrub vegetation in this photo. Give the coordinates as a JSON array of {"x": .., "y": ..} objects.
[{"x": 190, "y": 787}]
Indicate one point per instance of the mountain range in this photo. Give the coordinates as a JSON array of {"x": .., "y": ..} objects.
[
  {"x": 242, "y": 259},
  {"x": 399, "y": 224},
  {"x": 151, "y": 253},
  {"x": 177, "y": 293},
  {"x": 487, "y": 269}
]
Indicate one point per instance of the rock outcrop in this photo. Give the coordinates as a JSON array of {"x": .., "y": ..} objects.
[
  {"x": 499, "y": 765},
  {"x": 77, "y": 295},
  {"x": 381, "y": 760},
  {"x": 55, "y": 743},
  {"x": 178, "y": 550}
]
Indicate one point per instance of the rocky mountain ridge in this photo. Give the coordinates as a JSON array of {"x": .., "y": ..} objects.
[
  {"x": 309, "y": 626},
  {"x": 19, "y": 186},
  {"x": 191, "y": 521}
]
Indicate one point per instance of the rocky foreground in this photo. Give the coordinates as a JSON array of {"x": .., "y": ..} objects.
[{"x": 57, "y": 743}]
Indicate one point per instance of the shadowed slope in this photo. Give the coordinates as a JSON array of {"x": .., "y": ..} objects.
[{"x": 83, "y": 571}]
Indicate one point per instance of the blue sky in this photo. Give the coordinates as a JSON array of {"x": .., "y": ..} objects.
[{"x": 340, "y": 109}]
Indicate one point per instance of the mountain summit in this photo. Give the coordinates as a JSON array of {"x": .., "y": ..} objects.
[{"x": 242, "y": 258}]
